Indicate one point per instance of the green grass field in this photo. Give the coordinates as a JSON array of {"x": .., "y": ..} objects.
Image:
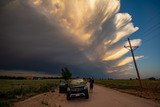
[
  {"x": 6, "y": 85},
  {"x": 130, "y": 84},
  {"x": 151, "y": 88},
  {"x": 14, "y": 90}
]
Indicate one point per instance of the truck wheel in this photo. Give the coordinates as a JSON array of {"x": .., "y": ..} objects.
[
  {"x": 87, "y": 95},
  {"x": 68, "y": 97},
  {"x": 60, "y": 91}
]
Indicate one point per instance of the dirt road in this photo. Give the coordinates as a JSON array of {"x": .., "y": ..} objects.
[{"x": 100, "y": 97}]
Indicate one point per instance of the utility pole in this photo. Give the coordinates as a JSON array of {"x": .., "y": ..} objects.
[{"x": 131, "y": 49}]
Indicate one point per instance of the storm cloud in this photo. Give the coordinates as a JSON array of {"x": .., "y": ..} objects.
[{"x": 46, "y": 35}]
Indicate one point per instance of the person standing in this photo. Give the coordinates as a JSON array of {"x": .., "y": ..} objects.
[{"x": 91, "y": 81}]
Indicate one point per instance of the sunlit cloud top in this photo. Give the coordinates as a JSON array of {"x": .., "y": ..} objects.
[
  {"x": 80, "y": 17},
  {"x": 90, "y": 33}
]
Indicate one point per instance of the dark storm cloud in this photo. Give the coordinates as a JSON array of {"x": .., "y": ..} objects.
[
  {"x": 46, "y": 35},
  {"x": 5, "y": 2},
  {"x": 29, "y": 42}
]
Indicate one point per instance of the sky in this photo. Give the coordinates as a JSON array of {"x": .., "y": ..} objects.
[
  {"x": 88, "y": 37},
  {"x": 146, "y": 15}
]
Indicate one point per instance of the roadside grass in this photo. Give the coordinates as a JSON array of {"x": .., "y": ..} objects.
[
  {"x": 15, "y": 90},
  {"x": 151, "y": 88}
]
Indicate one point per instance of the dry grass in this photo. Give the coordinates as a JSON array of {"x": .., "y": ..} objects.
[
  {"x": 151, "y": 88},
  {"x": 15, "y": 90}
]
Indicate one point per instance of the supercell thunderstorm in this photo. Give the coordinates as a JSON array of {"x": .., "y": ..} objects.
[{"x": 95, "y": 27}]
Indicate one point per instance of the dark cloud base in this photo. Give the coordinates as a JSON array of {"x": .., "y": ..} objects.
[{"x": 29, "y": 42}]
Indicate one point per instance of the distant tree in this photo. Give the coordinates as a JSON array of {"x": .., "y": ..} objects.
[
  {"x": 12, "y": 77},
  {"x": 66, "y": 74},
  {"x": 110, "y": 78},
  {"x": 130, "y": 79},
  {"x": 152, "y": 78}
]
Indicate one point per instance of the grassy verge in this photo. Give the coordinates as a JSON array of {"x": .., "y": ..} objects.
[
  {"x": 15, "y": 90},
  {"x": 151, "y": 88}
]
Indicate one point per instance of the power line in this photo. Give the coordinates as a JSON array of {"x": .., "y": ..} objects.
[
  {"x": 151, "y": 38},
  {"x": 151, "y": 29},
  {"x": 152, "y": 18}
]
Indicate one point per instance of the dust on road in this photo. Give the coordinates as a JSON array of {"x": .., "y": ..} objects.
[{"x": 100, "y": 97}]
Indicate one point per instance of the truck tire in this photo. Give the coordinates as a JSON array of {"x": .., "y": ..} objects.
[
  {"x": 68, "y": 97},
  {"x": 87, "y": 95}
]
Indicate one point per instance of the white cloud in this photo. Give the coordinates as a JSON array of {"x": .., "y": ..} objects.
[
  {"x": 70, "y": 32},
  {"x": 128, "y": 60}
]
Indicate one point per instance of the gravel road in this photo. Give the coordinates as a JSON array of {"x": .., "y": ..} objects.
[{"x": 100, "y": 97}]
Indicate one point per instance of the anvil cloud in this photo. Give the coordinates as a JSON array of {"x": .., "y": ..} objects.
[{"x": 85, "y": 35}]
